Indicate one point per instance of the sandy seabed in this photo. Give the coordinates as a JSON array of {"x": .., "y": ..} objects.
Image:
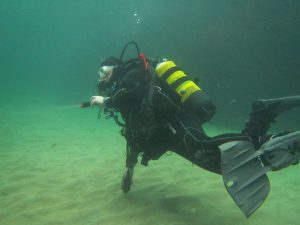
[{"x": 60, "y": 165}]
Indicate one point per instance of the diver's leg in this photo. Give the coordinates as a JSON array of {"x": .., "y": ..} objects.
[
  {"x": 185, "y": 135},
  {"x": 264, "y": 113},
  {"x": 234, "y": 156},
  {"x": 127, "y": 179},
  {"x": 189, "y": 140},
  {"x": 131, "y": 161}
]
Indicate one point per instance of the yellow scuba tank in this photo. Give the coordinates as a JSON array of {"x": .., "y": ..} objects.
[
  {"x": 190, "y": 94},
  {"x": 177, "y": 80}
]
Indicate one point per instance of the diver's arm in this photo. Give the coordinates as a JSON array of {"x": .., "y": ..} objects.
[
  {"x": 126, "y": 95},
  {"x": 110, "y": 102}
]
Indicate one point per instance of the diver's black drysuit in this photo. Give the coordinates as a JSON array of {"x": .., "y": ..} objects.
[
  {"x": 164, "y": 110},
  {"x": 155, "y": 121}
]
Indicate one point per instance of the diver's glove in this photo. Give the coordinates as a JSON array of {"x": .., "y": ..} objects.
[
  {"x": 127, "y": 179},
  {"x": 98, "y": 100}
]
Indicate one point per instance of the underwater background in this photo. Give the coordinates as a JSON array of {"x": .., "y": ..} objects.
[{"x": 59, "y": 164}]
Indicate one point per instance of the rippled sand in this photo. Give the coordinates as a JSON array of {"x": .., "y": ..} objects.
[{"x": 61, "y": 165}]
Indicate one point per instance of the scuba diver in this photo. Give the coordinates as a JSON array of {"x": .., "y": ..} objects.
[{"x": 162, "y": 109}]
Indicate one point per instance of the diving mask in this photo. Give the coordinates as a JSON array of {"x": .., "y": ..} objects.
[{"x": 105, "y": 73}]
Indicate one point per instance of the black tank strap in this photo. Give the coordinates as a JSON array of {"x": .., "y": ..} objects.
[{"x": 170, "y": 72}]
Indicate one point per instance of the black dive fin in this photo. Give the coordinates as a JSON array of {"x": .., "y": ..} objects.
[
  {"x": 244, "y": 169},
  {"x": 276, "y": 106},
  {"x": 281, "y": 151},
  {"x": 244, "y": 175}
]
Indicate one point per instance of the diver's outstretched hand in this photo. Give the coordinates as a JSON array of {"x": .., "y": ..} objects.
[{"x": 97, "y": 100}]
